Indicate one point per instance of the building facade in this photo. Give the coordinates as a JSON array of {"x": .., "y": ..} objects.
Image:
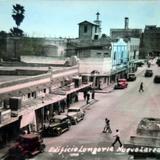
[
  {"x": 125, "y": 32},
  {"x": 25, "y": 102},
  {"x": 32, "y": 46},
  {"x": 120, "y": 59},
  {"x": 150, "y": 41}
]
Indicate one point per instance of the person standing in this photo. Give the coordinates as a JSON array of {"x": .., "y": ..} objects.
[
  {"x": 141, "y": 89},
  {"x": 117, "y": 138},
  {"x": 93, "y": 93},
  {"x": 88, "y": 97},
  {"x": 85, "y": 94}
]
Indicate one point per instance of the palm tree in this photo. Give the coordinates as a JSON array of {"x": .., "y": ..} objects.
[
  {"x": 16, "y": 32},
  {"x": 18, "y": 14}
]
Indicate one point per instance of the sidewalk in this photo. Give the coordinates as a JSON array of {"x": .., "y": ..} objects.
[
  {"x": 82, "y": 103},
  {"x": 107, "y": 89},
  {"x": 110, "y": 88},
  {"x": 3, "y": 151}
]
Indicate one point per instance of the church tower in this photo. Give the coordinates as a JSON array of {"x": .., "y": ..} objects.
[{"x": 98, "y": 23}]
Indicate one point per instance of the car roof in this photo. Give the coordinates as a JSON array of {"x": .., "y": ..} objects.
[
  {"x": 74, "y": 107},
  {"x": 122, "y": 79},
  {"x": 60, "y": 116},
  {"x": 148, "y": 69},
  {"x": 157, "y": 75},
  {"x": 29, "y": 136}
]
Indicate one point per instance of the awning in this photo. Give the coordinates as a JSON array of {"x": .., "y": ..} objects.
[
  {"x": 118, "y": 70},
  {"x": 35, "y": 104},
  {"x": 28, "y": 119},
  {"x": 79, "y": 88},
  {"x": 13, "y": 119}
]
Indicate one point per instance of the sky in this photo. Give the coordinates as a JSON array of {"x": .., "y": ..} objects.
[{"x": 60, "y": 18}]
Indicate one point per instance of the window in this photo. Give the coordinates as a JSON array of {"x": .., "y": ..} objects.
[
  {"x": 114, "y": 56},
  {"x": 106, "y": 54},
  {"x": 34, "y": 94},
  {"x": 29, "y": 95},
  {"x": 85, "y": 29},
  {"x": 44, "y": 90},
  {"x": 96, "y": 37},
  {"x": 95, "y": 29}
]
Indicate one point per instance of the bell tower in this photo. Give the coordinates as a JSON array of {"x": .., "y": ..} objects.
[{"x": 98, "y": 23}]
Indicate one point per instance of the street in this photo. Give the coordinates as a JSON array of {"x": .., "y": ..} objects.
[{"x": 125, "y": 108}]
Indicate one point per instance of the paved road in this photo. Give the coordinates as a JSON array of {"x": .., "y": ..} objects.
[{"x": 125, "y": 108}]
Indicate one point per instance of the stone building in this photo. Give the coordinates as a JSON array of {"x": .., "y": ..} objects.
[
  {"x": 150, "y": 40},
  {"x": 90, "y": 42},
  {"x": 89, "y": 30},
  {"x": 34, "y": 46},
  {"x": 125, "y": 32}
]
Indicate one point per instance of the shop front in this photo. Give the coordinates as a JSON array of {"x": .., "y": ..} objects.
[
  {"x": 51, "y": 106},
  {"x": 9, "y": 131}
]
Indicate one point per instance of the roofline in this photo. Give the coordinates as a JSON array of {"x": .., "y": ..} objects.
[{"x": 88, "y": 22}]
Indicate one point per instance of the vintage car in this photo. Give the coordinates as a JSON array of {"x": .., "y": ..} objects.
[
  {"x": 148, "y": 73},
  {"x": 131, "y": 77},
  {"x": 27, "y": 145},
  {"x": 156, "y": 79},
  {"x": 75, "y": 114},
  {"x": 121, "y": 84},
  {"x": 158, "y": 62},
  {"x": 56, "y": 126}
]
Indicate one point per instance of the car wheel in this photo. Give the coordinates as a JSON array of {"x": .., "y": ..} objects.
[
  {"x": 41, "y": 148},
  {"x": 59, "y": 132},
  {"x": 76, "y": 121}
]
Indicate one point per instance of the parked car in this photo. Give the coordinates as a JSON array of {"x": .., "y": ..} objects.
[
  {"x": 131, "y": 77},
  {"x": 140, "y": 63},
  {"x": 148, "y": 73},
  {"x": 56, "y": 126},
  {"x": 27, "y": 146},
  {"x": 158, "y": 62},
  {"x": 75, "y": 114},
  {"x": 156, "y": 79},
  {"x": 121, "y": 84}
]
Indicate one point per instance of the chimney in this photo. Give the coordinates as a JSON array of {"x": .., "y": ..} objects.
[{"x": 126, "y": 23}]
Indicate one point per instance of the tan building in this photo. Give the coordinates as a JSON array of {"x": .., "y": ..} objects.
[{"x": 25, "y": 100}]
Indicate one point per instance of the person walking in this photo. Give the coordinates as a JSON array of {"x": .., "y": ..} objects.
[
  {"x": 107, "y": 127},
  {"x": 117, "y": 138},
  {"x": 141, "y": 89}
]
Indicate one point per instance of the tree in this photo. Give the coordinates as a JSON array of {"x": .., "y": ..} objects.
[{"x": 18, "y": 16}]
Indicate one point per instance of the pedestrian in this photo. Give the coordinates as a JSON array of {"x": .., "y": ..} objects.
[
  {"x": 88, "y": 97},
  {"x": 141, "y": 87},
  {"x": 117, "y": 138},
  {"x": 107, "y": 127},
  {"x": 93, "y": 93},
  {"x": 85, "y": 94}
]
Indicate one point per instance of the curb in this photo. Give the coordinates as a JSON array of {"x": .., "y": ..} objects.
[
  {"x": 89, "y": 104},
  {"x": 105, "y": 91}
]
